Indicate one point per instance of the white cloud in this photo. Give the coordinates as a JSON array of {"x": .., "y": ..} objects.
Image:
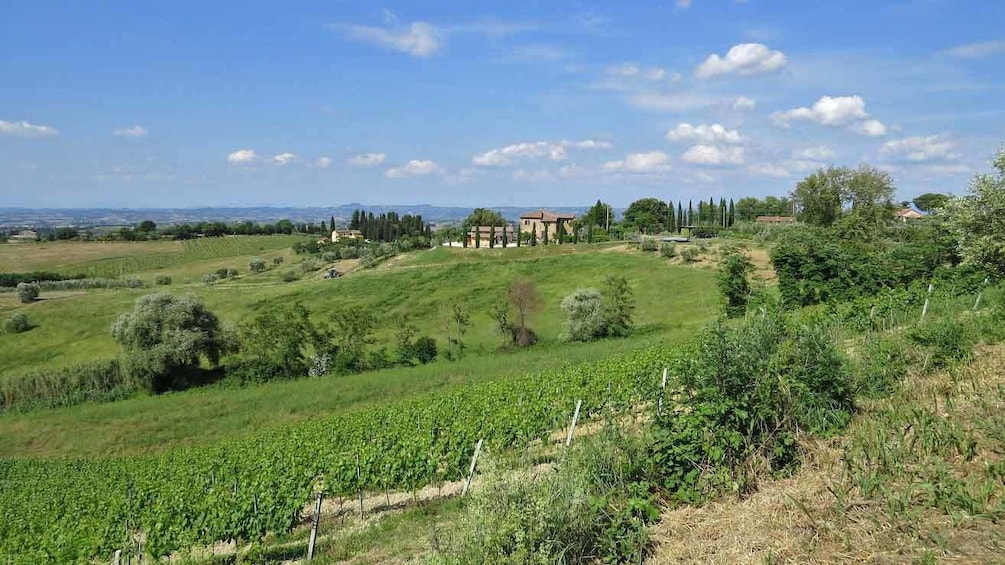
[
  {"x": 135, "y": 131},
  {"x": 705, "y": 133},
  {"x": 26, "y": 129},
  {"x": 419, "y": 39},
  {"x": 744, "y": 104},
  {"x": 976, "y": 50},
  {"x": 921, "y": 149},
  {"x": 713, "y": 155},
  {"x": 818, "y": 153},
  {"x": 828, "y": 110},
  {"x": 872, "y": 128},
  {"x": 368, "y": 159},
  {"x": 630, "y": 70},
  {"x": 414, "y": 168},
  {"x": 323, "y": 162},
  {"x": 650, "y": 162},
  {"x": 555, "y": 151},
  {"x": 242, "y": 157},
  {"x": 284, "y": 158},
  {"x": 742, "y": 59},
  {"x": 768, "y": 170}
]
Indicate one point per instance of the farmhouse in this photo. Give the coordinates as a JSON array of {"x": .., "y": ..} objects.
[
  {"x": 24, "y": 235},
  {"x": 905, "y": 214},
  {"x": 542, "y": 222},
  {"x": 775, "y": 220},
  {"x": 482, "y": 235},
  {"x": 346, "y": 234}
]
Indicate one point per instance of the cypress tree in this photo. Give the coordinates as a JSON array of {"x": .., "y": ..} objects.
[
  {"x": 478, "y": 237},
  {"x": 546, "y": 233},
  {"x": 332, "y": 224},
  {"x": 518, "y": 233},
  {"x": 690, "y": 213},
  {"x": 505, "y": 238},
  {"x": 680, "y": 217},
  {"x": 731, "y": 214},
  {"x": 533, "y": 235},
  {"x": 492, "y": 237},
  {"x": 589, "y": 232}
]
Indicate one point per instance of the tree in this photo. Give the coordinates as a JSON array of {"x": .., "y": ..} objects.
[
  {"x": 619, "y": 305},
  {"x": 647, "y": 215},
  {"x": 478, "y": 237},
  {"x": 867, "y": 192},
  {"x": 533, "y": 235},
  {"x": 584, "y": 311},
  {"x": 492, "y": 237},
  {"x": 146, "y": 226},
  {"x": 977, "y": 219},
  {"x": 277, "y": 343},
  {"x": 819, "y": 196},
  {"x": 166, "y": 337},
  {"x": 546, "y": 233},
  {"x": 455, "y": 326},
  {"x": 425, "y": 349},
  {"x": 256, "y": 265},
  {"x": 733, "y": 282},
  {"x": 404, "y": 340},
  {"x": 483, "y": 217},
  {"x": 17, "y": 323},
  {"x": 27, "y": 292},
  {"x": 930, "y": 201},
  {"x": 600, "y": 214}
]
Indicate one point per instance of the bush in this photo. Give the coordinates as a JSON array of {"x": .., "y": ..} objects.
[
  {"x": 27, "y": 292},
  {"x": 308, "y": 265},
  {"x": 733, "y": 283},
  {"x": 210, "y": 279},
  {"x": 946, "y": 339},
  {"x": 17, "y": 323},
  {"x": 256, "y": 265},
  {"x": 647, "y": 243},
  {"x": 881, "y": 365},
  {"x": 277, "y": 261},
  {"x": 668, "y": 249},
  {"x": 290, "y": 276},
  {"x": 162, "y": 280},
  {"x": 134, "y": 282},
  {"x": 619, "y": 305},
  {"x": 690, "y": 254},
  {"x": 703, "y": 232},
  {"x": 585, "y": 311},
  {"x": 222, "y": 272},
  {"x": 425, "y": 349}
]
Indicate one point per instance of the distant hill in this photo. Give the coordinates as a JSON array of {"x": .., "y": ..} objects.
[{"x": 87, "y": 217}]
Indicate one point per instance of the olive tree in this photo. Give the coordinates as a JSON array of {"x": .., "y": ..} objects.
[
  {"x": 27, "y": 292},
  {"x": 585, "y": 311},
  {"x": 256, "y": 265},
  {"x": 166, "y": 337},
  {"x": 978, "y": 219}
]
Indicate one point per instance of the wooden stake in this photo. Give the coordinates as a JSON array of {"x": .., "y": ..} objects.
[
  {"x": 314, "y": 526},
  {"x": 663, "y": 386},
  {"x": 117, "y": 557},
  {"x": 927, "y": 297},
  {"x": 470, "y": 472},
  {"x": 359, "y": 486},
  {"x": 980, "y": 294},
  {"x": 575, "y": 418}
]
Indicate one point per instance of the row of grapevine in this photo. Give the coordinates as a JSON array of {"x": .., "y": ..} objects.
[{"x": 77, "y": 510}]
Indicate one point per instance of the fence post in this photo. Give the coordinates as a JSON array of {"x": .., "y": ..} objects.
[
  {"x": 314, "y": 526},
  {"x": 117, "y": 557},
  {"x": 359, "y": 486},
  {"x": 575, "y": 418},
  {"x": 663, "y": 387},
  {"x": 471, "y": 471},
  {"x": 980, "y": 293},
  {"x": 924, "y": 310}
]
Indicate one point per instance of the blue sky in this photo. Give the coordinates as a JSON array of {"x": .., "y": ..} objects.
[{"x": 183, "y": 103}]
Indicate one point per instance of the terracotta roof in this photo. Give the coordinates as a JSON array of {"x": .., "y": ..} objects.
[
  {"x": 546, "y": 216},
  {"x": 909, "y": 213}
]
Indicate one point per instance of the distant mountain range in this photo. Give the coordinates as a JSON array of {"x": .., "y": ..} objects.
[{"x": 88, "y": 217}]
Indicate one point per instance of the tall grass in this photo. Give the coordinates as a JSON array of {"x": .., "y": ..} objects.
[{"x": 99, "y": 381}]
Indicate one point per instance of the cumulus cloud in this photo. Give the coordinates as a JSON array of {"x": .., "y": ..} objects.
[
  {"x": 135, "y": 131},
  {"x": 323, "y": 162},
  {"x": 554, "y": 151},
  {"x": 284, "y": 158},
  {"x": 977, "y": 50},
  {"x": 704, "y": 133},
  {"x": 742, "y": 59},
  {"x": 921, "y": 149},
  {"x": 834, "y": 111},
  {"x": 419, "y": 39},
  {"x": 242, "y": 157},
  {"x": 744, "y": 104},
  {"x": 368, "y": 159},
  {"x": 414, "y": 168},
  {"x": 27, "y": 129},
  {"x": 872, "y": 128},
  {"x": 768, "y": 170},
  {"x": 650, "y": 162},
  {"x": 703, "y": 154},
  {"x": 818, "y": 153}
]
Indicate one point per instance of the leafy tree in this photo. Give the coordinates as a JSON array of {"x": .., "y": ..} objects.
[
  {"x": 165, "y": 338},
  {"x": 455, "y": 326},
  {"x": 256, "y": 265},
  {"x": 600, "y": 214},
  {"x": 867, "y": 192},
  {"x": 27, "y": 292},
  {"x": 584, "y": 311},
  {"x": 277, "y": 344},
  {"x": 405, "y": 340},
  {"x": 483, "y": 217},
  {"x": 146, "y": 226},
  {"x": 648, "y": 215},
  {"x": 619, "y": 305},
  {"x": 733, "y": 282},
  {"x": 523, "y": 297},
  {"x": 930, "y": 201},
  {"x": 978, "y": 219},
  {"x": 425, "y": 349},
  {"x": 819, "y": 196}
]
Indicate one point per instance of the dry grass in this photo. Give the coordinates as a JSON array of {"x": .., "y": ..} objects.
[
  {"x": 58, "y": 254},
  {"x": 820, "y": 515}
]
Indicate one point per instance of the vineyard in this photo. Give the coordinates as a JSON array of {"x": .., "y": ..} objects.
[
  {"x": 64, "y": 510},
  {"x": 201, "y": 249}
]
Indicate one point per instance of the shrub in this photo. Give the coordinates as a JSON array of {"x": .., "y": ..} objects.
[
  {"x": 134, "y": 282},
  {"x": 647, "y": 243},
  {"x": 165, "y": 338},
  {"x": 425, "y": 349},
  {"x": 210, "y": 279},
  {"x": 330, "y": 256},
  {"x": 100, "y": 381},
  {"x": 162, "y": 280},
  {"x": 703, "y": 232},
  {"x": 277, "y": 260},
  {"x": 619, "y": 305},
  {"x": 947, "y": 340},
  {"x": 308, "y": 265},
  {"x": 881, "y": 365},
  {"x": 256, "y": 265},
  {"x": 222, "y": 272},
  {"x": 585, "y": 311},
  {"x": 290, "y": 276},
  {"x": 16, "y": 323},
  {"x": 733, "y": 283},
  {"x": 690, "y": 254},
  {"x": 27, "y": 292},
  {"x": 668, "y": 249}
]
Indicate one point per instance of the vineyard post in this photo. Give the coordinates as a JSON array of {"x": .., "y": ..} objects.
[
  {"x": 471, "y": 471},
  {"x": 924, "y": 310},
  {"x": 575, "y": 418},
  {"x": 980, "y": 294},
  {"x": 663, "y": 387},
  {"x": 359, "y": 487},
  {"x": 117, "y": 557},
  {"x": 314, "y": 526}
]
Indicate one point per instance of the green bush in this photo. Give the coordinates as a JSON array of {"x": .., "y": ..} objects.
[
  {"x": 882, "y": 363},
  {"x": 27, "y": 292},
  {"x": 222, "y": 272},
  {"x": 703, "y": 232},
  {"x": 668, "y": 249},
  {"x": 647, "y": 243},
  {"x": 256, "y": 265},
  {"x": 690, "y": 254},
  {"x": 733, "y": 282},
  {"x": 945, "y": 339},
  {"x": 162, "y": 280},
  {"x": 16, "y": 323},
  {"x": 290, "y": 276},
  {"x": 277, "y": 260},
  {"x": 584, "y": 309},
  {"x": 210, "y": 279}
]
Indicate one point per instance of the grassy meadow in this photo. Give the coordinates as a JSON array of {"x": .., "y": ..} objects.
[{"x": 73, "y": 327}]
